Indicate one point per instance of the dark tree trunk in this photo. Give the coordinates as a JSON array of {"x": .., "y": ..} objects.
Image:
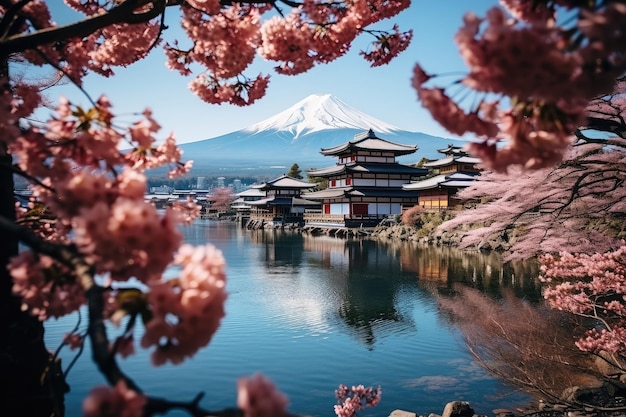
[{"x": 32, "y": 384}]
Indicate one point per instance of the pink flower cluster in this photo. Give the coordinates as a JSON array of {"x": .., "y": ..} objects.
[
  {"x": 387, "y": 47},
  {"x": 118, "y": 401},
  {"x": 186, "y": 312},
  {"x": 590, "y": 286},
  {"x": 548, "y": 74},
  {"x": 225, "y": 41},
  {"x": 357, "y": 398},
  {"x": 47, "y": 288},
  {"x": 257, "y": 396},
  {"x": 129, "y": 238}
]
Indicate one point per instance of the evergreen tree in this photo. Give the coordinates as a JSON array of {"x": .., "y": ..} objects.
[{"x": 295, "y": 172}]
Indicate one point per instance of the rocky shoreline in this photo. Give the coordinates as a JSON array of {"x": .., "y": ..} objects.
[{"x": 606, "y": 399}]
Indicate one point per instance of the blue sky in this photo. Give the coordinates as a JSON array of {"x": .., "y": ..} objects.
[{"x": 384, "y": 92}]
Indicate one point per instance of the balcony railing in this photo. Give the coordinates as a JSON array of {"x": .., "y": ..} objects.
[
  {"x": 276, "y": 218},
  {"x": 324, "y": 218},
  {"x": 347, "y": 220}
]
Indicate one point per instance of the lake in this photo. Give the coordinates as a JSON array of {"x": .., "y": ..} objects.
[{"x": 313, "y": 312}]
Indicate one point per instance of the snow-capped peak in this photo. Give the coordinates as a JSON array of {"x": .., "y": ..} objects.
[{"x": 320, "y": 112}]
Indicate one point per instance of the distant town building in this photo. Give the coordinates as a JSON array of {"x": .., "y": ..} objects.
[
  {"x": 282, "y": 203},
  {"x": 365, "y": 185},
  {"x": 237, "y": 186},
  {"x": 201, "y": 183},
  {"x": 221, "y": 182},
  {"x": 161, "y": 189}
]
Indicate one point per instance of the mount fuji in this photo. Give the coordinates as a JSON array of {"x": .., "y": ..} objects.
[{"x": 296, "y": 135}]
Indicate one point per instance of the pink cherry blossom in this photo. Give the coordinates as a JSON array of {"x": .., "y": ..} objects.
[
  {"x": 592, "y": 286},
  {"x": 47, "y": 288},
  {"x": 386, "y": 47},
  {"x": 547, "y": 74},
  {"x": 258, "y": 397},
  {"x": 356, "y": 398},
  {"x": 118, "y": 401},
  {"x": 196, "y": 299},
  {"x": 73, "y": 340}
]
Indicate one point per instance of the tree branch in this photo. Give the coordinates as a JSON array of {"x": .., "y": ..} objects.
[
  {"x": 68, "y": 255},
  {"x": 119, "y": 14},
  {"x": 604, "y": 125}
]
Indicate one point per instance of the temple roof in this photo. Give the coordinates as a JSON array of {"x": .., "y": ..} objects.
[
  {"x": 283, "y": 201},
  {"x": 370, "y": 142},
  {"x": 373, "y": 168},
  {"x": 284, "y": 182},
  {"x": 252, "y": 192},
  {"x": 463, "y": 159},
  {"x": 452, "y": 149},
  {"x": 456, "y": 180}
]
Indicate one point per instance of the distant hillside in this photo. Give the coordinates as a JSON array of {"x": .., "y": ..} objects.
[{"x": 296, "y": 135}]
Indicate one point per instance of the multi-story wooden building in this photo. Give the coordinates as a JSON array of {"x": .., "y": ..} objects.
[
  {"x": 282, "y": 203},
  {"x": 365, "y": 185},
  {"x": 454, "y": 171}
]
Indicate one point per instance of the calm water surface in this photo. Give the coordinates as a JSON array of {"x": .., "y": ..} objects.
[{"x": 313, "y": 312}]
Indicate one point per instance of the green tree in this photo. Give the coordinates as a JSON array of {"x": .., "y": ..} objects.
[
  {"x": 322, "y": 183},
  {"x": 295, "y": 172}
]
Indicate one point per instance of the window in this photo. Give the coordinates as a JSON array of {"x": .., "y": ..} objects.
[
  {"x": 348, "y": 181},
  {"x": 359, "y": 209},
  {"x": 333, "y": 183}
]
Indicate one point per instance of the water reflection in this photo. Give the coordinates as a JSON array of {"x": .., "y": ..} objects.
[
  {"x": 365, "y": 284},
  {"x": 282, "y": 247},
  {"x": 323, "y": 307},
  {"x": 443, "y": 267}
]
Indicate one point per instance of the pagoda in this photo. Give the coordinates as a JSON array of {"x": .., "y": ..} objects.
[{"x": 365, "y": 185}]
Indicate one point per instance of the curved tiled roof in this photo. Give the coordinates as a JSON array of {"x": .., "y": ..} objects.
[
  {"x": 369, "y": 141},
  {"x": 285, "y": 182},
  {"x": 464, "y": 159},
  {"x": 457, "y": 179},
  {"x": 283, "y": 201}
]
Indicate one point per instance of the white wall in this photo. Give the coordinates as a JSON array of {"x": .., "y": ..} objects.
[{"x": 340, "y": 208}]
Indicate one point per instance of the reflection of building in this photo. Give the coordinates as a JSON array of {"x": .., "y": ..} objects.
[
  {"x": 442, "y": 268},
  {"x": 282, "y": 203},
  {"x": 365, "y": 185},
  {"x": 283, "y": 248},
  {"x": 428, "y": 267},
  {"x": 455, "y": 171}
]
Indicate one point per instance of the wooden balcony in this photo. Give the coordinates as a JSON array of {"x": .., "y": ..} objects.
[{"x": 275, "y": 218}]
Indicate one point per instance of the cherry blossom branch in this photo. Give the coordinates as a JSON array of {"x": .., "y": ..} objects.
[
  {"x": 69, "y": 256},
  {"x": 11, "y": 13},
  {"x": 18, "y": 171},
  {"x": 69, "y": 77},
  {"x": 123, "y": 13},
  {"x": 611, "y": 361},
  {"x": 161, "y": 406}
]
